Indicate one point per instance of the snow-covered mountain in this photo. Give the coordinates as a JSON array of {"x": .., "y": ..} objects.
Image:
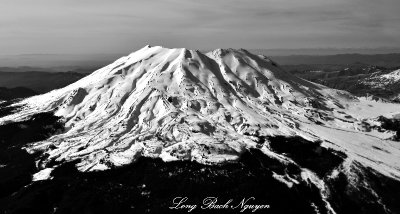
[
  {"x": 379, "y": 83},
  {"x": 389, "y": 81},
  {"x": 181, "y": 104},
  {"x": 212, "y": 108}
]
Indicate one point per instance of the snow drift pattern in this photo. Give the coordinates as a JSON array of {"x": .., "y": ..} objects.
[{"x": 179, "y": 104}]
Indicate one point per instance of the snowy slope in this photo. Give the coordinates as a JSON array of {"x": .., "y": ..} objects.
[
  {"x": 179, "y": 104},
  {"x": 383, "y": 80},
  {"x": 386, "y": 84}
]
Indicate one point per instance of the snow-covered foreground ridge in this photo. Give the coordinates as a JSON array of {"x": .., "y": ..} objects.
[{"x": 179, "y": 104}]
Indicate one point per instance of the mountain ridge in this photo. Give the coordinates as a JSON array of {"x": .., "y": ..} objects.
[{"x": 178, "y": 104}]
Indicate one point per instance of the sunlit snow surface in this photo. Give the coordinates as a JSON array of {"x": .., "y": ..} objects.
[
  {"x": 381, "y": 81},
  {"x": 179, "y": 104}
]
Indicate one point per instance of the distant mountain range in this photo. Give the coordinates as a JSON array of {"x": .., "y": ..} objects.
[
  {"x": 384, "y": 60},
  {"x": 341, "y": 71},
  {"x": 14, "y": 93},
  {"x": 359, "y": 79},
  {"x": 75, "y": 62},
  {"x": 324, "y": 51},
  {"x": 38, "y": 81}
]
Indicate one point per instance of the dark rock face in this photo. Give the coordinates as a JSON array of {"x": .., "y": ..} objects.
[
  {"x": 6, "y": 108},
  {"x": 149, "y": 185},
  {"x": 364, "y": 191},
  {"x": 308, "y": 154},
  {"x": 391, "y": 124},
  {"x": 38, "y": 127},
  {"x": 17, "y": 165},
  {"x": 386, "y": 124}
]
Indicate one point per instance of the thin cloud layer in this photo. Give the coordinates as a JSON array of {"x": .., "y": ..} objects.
[{"x": 93, "y": 26}]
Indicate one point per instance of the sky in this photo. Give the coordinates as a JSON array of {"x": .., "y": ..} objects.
[{"x": 123, "y": 26}]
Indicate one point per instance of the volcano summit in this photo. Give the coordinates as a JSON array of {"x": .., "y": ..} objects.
[
  {"x": 211, "y": 108},
  {"x": 179, "y": 104}
]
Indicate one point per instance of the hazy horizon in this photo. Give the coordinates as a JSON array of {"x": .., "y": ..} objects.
[
  {"x": 121, "y": 26},
  {"x": 101, "y": 59},
  {"x": 274, "y": 51}
]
